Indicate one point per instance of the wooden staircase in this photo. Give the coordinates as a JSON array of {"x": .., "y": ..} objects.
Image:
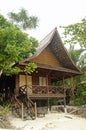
[{"x": 24, "y": 107}]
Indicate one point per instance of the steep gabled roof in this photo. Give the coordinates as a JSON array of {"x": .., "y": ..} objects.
[
  {"x": 54, "y": 41},
  {"x": 42, "y": 45}
]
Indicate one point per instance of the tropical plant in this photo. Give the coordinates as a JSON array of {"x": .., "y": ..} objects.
[
  {"x": 76, "y": 34},
  {"x": 23, "y": 19},
  {"x": 15, "y": 45}
]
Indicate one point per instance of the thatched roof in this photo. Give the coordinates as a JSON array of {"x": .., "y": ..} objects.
[{"x": 55, "y": 43}]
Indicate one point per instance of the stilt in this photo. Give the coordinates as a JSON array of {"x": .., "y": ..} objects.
[
  {"x": 35, "y": 110},
  {"x": 65, "y": 109},
  {"x": 22, "y": 112},
  {"x": 48, "y": 106}
]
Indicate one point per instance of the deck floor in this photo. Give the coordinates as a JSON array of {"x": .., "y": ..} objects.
[{"x": 47, "y": 95}]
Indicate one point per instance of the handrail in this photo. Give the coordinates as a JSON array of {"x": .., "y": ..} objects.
[
  {"x": 31, "y": 101},
  {"x": 33, "y": 107},
  {"x": 21, "y": 104},
  {"x": 21, "y": 107},
  {"x": 18, "y": 101}
]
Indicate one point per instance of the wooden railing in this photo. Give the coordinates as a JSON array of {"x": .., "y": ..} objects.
[
  {"x": 23, "y": 89},
  {"x": 36, "y": 89},
  {"x": 23, "y": 103},
  {"x": 18, "y": 106},
  {"x": 56, "y": 90},
  {"x": 24, "y": 106},
  {"x": 31, "y": 106}
]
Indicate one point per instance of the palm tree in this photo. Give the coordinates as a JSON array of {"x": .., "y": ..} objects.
[
  {"x": 23, "y": 20},
  {"x": 78, "y": 56}
]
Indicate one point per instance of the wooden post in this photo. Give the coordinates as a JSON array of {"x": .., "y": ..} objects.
[
  {"x": 35, "y": 110},
  {"x": 47, "y": 84},
  {"x": 22, "y": 112},
  {"x": 47, "y": 92},
  {"x": 65, "y": 109},
  {"x": 26, "y": 83},
  {"x": 48, "y": 105},
  {"x": 16, "y": 91}
]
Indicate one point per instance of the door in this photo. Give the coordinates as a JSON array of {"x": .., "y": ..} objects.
[
  {"x": 29, "y": 84},
  {"x": 26, "y": 80}
]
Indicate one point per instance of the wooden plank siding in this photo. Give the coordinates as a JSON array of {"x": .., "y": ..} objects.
[{"x": 47, "y": 57}]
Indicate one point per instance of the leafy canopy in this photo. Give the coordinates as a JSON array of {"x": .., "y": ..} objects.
[
  {"x": 23, "y": 19},
  {"x": 76, "y": 33},
  {"x": 15, "y": 45},
  {"x": 73, "y": 34}
]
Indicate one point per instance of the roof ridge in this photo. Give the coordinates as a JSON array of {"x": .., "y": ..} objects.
[{"x": 55, "y": 29}]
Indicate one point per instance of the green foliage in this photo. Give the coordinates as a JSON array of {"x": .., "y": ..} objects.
[
  {"x": 83, "y": 93},
  {"x": 9, "y": 71},
  {"x": 78, "y": 56},
  {"x": 54, "y": 101},
  {"x": 76, "y": 33},
  {"x": 23, "y": 20},
  {"x": 30, "y": 68},
  {"x": 76, "y": 90},
  {"x": 81, "y": 90},
  {"x": 5, "y": 109},
  {"x": 15, "y": 45},
  {"x": 78, "y": 102},
  {"x": 80, "y": 97}
]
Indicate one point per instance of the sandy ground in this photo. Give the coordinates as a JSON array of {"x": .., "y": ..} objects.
[{"x": 51, "y": 121}]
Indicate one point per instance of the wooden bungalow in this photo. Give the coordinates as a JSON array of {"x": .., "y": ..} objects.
[{"x": 53, "y": 64}]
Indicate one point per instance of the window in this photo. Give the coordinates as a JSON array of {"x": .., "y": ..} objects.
[{"x": 42, "y": 81}]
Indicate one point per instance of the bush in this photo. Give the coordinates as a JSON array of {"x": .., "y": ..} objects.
[{"x": 5, "y": 109}]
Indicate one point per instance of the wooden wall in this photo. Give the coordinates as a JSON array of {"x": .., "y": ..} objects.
[{"x": 47, "y": 57}]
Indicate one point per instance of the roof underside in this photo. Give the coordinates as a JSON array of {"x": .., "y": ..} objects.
[{"x": 57, "y": 73}]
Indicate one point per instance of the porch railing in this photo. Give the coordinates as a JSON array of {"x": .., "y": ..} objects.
[{"x": 36, "y": 89}]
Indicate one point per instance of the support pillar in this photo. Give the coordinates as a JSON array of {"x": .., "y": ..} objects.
[
  {"x": 48, "y": 104},
  {"x": 65, "y": 109},
  {"x": 16, "y": 91}
]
